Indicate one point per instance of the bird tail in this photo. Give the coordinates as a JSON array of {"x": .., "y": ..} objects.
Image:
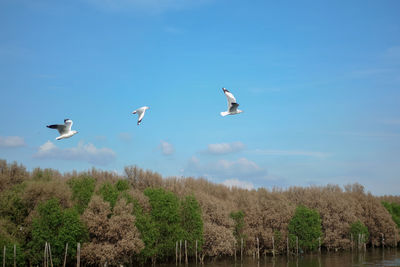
[{"x": 224, "y": 113}]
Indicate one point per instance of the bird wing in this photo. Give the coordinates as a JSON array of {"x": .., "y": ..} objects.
[
  {"x": 68, "y": 124},
  {"x": 233, "y": 107},
  {"x": 229, "y": 96},
  {"x": 140, "y": 113},
  {"x": 61, "y": 128}
]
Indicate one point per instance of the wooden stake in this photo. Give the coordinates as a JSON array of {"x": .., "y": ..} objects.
[
  {"x": 383, "y": 241},
  {"x": 297, "y": 245},
  {"x": 395, "y": 238},
  {"x": 45, "y": 255},
  {"x": 186, "y": 256},
  {"x": 273, "y": 247},
  {"x": 287, "y": 246},
  {"x": 258, "y": 249},
  {"x": 15, "y": 255},
  {"x": 319, "y": 244},
  {"x": 78, "y": 255},
  {"x": 241, "y": 249},
  {"x": 4, "y": 256},
  {"x": 196, "y": 251},
  {"x": 234, "y": 245},
  {"x": 176, "y": 253},
  {"x": 65, "y": 255},
  {"x": 180, "y": 251},
  {"x": 51, "y": 258}
]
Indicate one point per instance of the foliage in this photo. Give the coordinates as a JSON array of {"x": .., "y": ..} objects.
[
  {"x": 394, "y": 210},
  {"x": 82, "y": 190},
  {"x": 56, "y": 226},
  {"x": 114, "y": 237},
  {"x": 191, "y": 222},
  {"x": 109, "y": 193},
  {"x": 358, "y": 228},
  {"x": 306, "y": 225},
  {"x": 161, "y": 228},
  {"x": 238, "y": 218}
]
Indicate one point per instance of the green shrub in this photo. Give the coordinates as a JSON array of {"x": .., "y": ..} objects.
[{"x": 306, "y": 225}]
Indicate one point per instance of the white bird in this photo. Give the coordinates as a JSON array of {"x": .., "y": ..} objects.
[
  {"x": 64, "y": 130},
  {"x": 140, "y": 112},
  {"x": 232, "y": 105}
]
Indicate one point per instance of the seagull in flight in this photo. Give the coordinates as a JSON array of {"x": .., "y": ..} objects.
[
  {"x": 140, "y": 112},
  {"x": 232, "y": 104},
  {"x": 63, "y": 129}
]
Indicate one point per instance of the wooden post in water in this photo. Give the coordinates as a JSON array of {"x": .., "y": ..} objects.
[
  {"x": 395, "y": 238},
  {"x": 241, "y": 249},
  {"x": 15, "y": 255},
  {"x": 297, "y": 245},
  {"x": 383, "y": 241},
  {"x": 45, "y": 255},
  {"x": 359, "y": 241},
  {"x": 176, "y": 253},
  {"x": 273, "y": 247},
  {"x": 196, "y": 251},
  {"x": 78, "y": 255},
  {"x": 258, "y": 249},
  {"x": 287, "y": 246},
  {"x": 180, "y": 251},
  {"x": 4, "y": 256},
  {"x": 234, "y": 246},
  {"x": 186, "y": 257},
  {"x": 319, "y": 244},
  {"x": 65, "y": 255},
  {"x": 51, "y": 258}
]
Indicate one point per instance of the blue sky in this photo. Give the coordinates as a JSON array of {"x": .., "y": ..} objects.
[{"x": 318, "y": 82}]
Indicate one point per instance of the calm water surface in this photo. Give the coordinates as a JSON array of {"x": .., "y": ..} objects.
[{"x": 372, "y": 257}]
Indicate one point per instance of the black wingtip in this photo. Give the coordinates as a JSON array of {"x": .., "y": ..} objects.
[{"x": 66, "y": 120}]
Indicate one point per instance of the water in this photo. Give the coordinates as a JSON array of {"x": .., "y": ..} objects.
[{"x": 372, "y": 257}]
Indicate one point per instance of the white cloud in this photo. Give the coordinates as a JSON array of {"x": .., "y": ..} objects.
[
  {"x": 150, "y": 6},
  {"x": 239, "y": 184},
  {"x": 11, "y": 141},
  {"x": 83, "y": 152},
  {"x": 225, "y": 148},
  {"x": 291, "y": 153},
  {"x": 166, "y": 148}
]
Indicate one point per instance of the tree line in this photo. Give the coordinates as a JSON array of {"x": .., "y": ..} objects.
[{"x": 139, "y": 216}]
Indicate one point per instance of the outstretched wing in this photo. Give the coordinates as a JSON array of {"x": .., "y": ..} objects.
[
  {"x": 68, "y": 124},
  {"x": 61, "y": 128},
  {"x": 229, "y": 96},
  {"x": 140, "y": 113}
]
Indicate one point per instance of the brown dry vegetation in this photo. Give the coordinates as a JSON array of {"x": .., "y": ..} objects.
[{"x": 113, "y": 236}]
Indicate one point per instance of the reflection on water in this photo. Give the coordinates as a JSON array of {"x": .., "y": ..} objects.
[{"x": 372, "y": 257}]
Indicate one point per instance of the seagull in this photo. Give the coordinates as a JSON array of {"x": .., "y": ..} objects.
[
  {"x": 64, "y": 130},
  {"x": 140, "y": 112},
  {"x": 232, "y": 105}
]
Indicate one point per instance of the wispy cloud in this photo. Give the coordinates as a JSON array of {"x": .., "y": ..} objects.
[
  {"x": 11, "y": 141},
  {"x": 225, "y": 148},
  {"x": 291, "y": 153},
  {"x": 238, "y": 183},
  {"x": 150, "y": 6},
  {"x": 125, "y": 137},
  {"x": 240, "y": 168},
  {"x": 166, "y": 148},
  {"x": 83, "y": 152}
]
